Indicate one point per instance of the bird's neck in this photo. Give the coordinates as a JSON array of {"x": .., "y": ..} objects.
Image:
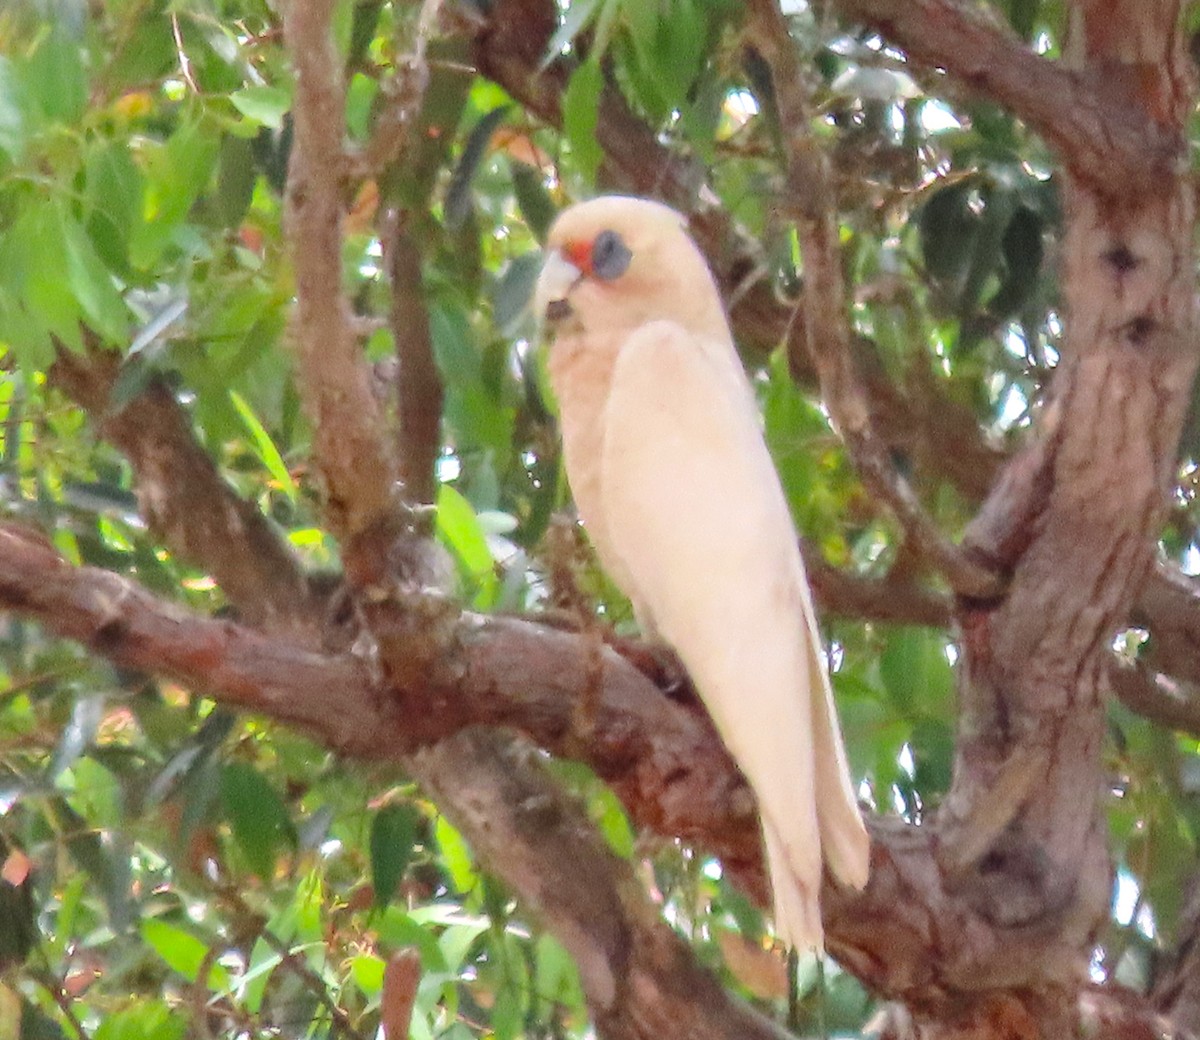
[{"x": 581, "y": 367}]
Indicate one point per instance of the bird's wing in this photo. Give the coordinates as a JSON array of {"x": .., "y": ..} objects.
[{"x": 694, "y": 510}]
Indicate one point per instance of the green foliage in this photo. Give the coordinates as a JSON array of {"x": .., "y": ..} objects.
[{"x": 182, "y": 859}]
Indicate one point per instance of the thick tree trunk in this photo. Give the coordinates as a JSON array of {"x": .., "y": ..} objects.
[{"x": 1073, "y": 521}]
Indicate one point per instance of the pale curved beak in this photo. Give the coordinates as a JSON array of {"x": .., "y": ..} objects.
[{"x": 559, "y": 276}]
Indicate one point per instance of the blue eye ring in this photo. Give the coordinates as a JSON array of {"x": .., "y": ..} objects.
[{"x": 610, "y": 256}]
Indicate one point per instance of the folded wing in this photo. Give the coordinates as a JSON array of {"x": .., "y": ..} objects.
[{"x": 694, "y": 510}]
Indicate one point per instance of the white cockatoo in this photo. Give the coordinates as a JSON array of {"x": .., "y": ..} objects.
[{"x": 666, "y": 458}]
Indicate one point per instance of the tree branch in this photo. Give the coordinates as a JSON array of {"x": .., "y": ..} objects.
[
  {"x": 183, "y": 498},
  {"x": 1096, "y": 123},
  {"x": 418, "y": 382},
  {"x": 121, "y": 621},
  {"x": 640, "y": 978},
  {"x": 893, "y": 934},
  {"x": 350, "y": 449},
  {"x": 1169, "y": 607},
  {"x": 872, "y": 599},
  {"x": 1156, "y": 697},
  {"x": 810, "y": 200},
  {"x": 663, "y": 759}
]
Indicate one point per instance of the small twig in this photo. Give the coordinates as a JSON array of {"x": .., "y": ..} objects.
[
  {"x": 812, "y": 203},
  {"x": 312, "y": 982},
  {"x": 403, "y": 95},
  {"x": 400, "y": 980},
  {"x": 185, "y": 63},
  {"x": 51, "y": 985},
  {"x": 288, "y": 958},
  {"x": 418, "y": 382},
  {"x": 893, "y": 598},
  {"x": 873, "y": 461},
  {"x": 1157, "y": 697}
]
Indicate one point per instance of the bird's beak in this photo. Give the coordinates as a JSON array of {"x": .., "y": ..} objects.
[{"x": 559, "y": 276}]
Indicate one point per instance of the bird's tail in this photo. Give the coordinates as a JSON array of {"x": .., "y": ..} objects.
[
  {"x": 845, "y": 844},
  {"x": 797, "y": 906}
]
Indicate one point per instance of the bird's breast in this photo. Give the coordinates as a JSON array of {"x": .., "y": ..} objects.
[{"x": 581, "y": 369}]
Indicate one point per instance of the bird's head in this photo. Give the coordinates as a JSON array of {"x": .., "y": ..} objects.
[{"x": 623, "y": 261}]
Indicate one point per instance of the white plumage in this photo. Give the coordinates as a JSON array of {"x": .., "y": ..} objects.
[{"x": 670, "y": 472}]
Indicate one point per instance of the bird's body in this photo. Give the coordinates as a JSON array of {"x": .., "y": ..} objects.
[{"x": 673, "y": 480}]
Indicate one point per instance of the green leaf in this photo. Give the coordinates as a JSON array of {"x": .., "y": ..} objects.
[
  {"x": 459, "y": 529},
  {"x": 236, "y": 174},
  {"x": 272, "y": 150},
  {"x": 556, "y": 978},
  {"x": 668, "y": 42},
  {"x": 397, "y": 930},
  {"x": 457, "y": 858},
  {"x": 364, "y": 22},
  {"x": 508, "y": 1013},
  {"x": 114, "y": 193},
  {"x": 18, "y": 917},
  {"x": 92, "y": 284},
  {"x": 176, "y": 174},
  {"x": 1023, "y": 251},
  {"x": 613, "y": 822},
  {"x": 105, "y": 865},
  {"x": 35, "y": 1024},
  {"x": 146, "y": 1020},
  {"x": 529, "y": 186},
  {"x": 31, "y": 262},
  {"x": 201, "y": 790},
  {"x": 1023, "y": 15},
  {"x": 474, "y": 410},
  {"x": 458, "y": 192},
  {"x": 792, "y": 424},
  {"x": 605, "y": 23},
  {"x": 69, "y": 902},
  {"x": 77, "y": 734},
  {"x": 12, "y": 117},
  {"x": 265, "y": 105},
  {"x": 917, "y": 673},
  {"x": 183, "y": 952},
  {"x": 581, "y": 112},
  {"x": 264, "y": 447},
  {"x": 367, "y": 972},
  {"x": 948, "y": 227},
  {"x": 362, "y": 95},
  {"x": 933, "y": 754},
  {"x": 264, "y": 959},
  {"x": 260, "y": 820},
  {"x": 999, "y": 206},
  {"x": 56, "y": 80},
  {"x": 456, "y": 941},
  {"x": 514, "y": 291},
  {"x": 393, "y": 833},
  {"x": 22, "y": 331}
]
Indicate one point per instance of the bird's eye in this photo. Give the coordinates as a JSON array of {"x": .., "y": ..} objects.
[{"x": 610, "y": 256}]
